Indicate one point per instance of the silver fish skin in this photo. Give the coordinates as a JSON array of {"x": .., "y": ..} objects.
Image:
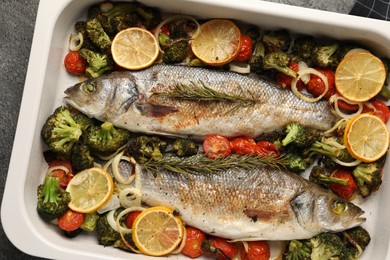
[
  {"x": 260, "y": 204},
  {"x": 126, "y": 100}
]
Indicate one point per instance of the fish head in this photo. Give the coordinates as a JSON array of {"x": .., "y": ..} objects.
[
  {"x": 104, "y": 97},
  {"x": 326, "y": 212}
]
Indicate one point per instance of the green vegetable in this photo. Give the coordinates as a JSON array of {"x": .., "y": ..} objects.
[
  {"x": 303, "y": 48},
  {"x": 294, "y": 163},
  {"x": 357, "y": 236},
  {"x": 275, "y": 41},
  {"x": 319, "y": 176},
  {"x": 176, "y": 52},
  {"x": 98, "y": 64},
  {"x": 178, "y": 31},
  {"x": 81, "y": 157},
  {"x": 299, "y": 135},
  {"x": 326, "y": 56},
  {"x": 81, "y": 27},
  {"x": 106, "y": 139},
  {"x": 256, "y": 60},
  {"x": 97, "y": 34},
  {"x": 278, "y": 61},
  {"x": 368, "y": 177},
  {"x": 327, "y": 246},
  {"x": 106, "y": 235},
  {"x": 52, "y": 199},
  {"x": 151, "y": 17},
  {"x": 90, "y": 222},
  {"x": 184, "y": 147},
  {"x": 143, "y": 148},
  {"x": 298, "y": 250},
  {"x": 82, "y": 120},
  {"x": 60, "y": 132}
]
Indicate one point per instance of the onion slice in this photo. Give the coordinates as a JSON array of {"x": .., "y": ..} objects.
[
  {"x": 116, "y": 169},
  {"x": 302, "y": 74},
  {"x": 242, "y": 68},
  {"x": 346, "y": 164},
  {"x": 75, "y": 42},
  {"x": 59, "y": 167},
  {"x": 302, "y": 66},
  {"x": 130, "y": 197},
  {"x": 334, "y": 101}
]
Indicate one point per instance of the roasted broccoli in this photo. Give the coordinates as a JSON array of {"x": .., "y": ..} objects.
[
  {"x": 60, "y": 132},
  {"x": 302, "y": 48},
  {"x": 256, "y": 60},
  {"x": 81, "y": 27},
  {"x": 97, "y": 34},
  {"x": 106, "y": 139},
  {"x": 275, "y": 41},
  {"x": 327, "y": 246},
  {"x": 274, "y": 137},
  {"x": 319, "y": 176},
  {"x": 81, "y": 157},
  {"x": 184, "y": 147},
  {"x": 278, "y": 61},
  {"x": 90, "y": 221},
  {"x": 106, "y": 235},
  {"x": 322, "y": 148},
  {"x": 297, "y": 250},
  {"x": 176, "y": 52},
  {"x": 119, "y": 17},
  {"x": 81, "y": 119},
  {"x": 368, "y": 177},
  {"x": 144, "y": 148},
  {"x": 326, "y": 56},
  {"x": 178, "y": 30},
  {"x": 98, "y": 64},
  {"x": 151, "y": 17},
  {"x": 52, "y": 199},
  {"x": 356, "y": 237},
  {"x": 299, "y": 135},
  {"x": 294, "y": 162}
]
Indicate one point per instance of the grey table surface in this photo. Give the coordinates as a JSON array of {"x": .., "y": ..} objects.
[{"x": 16, "y": 30}]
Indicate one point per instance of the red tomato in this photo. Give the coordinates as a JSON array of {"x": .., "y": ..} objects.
[
  {"x": 61, "y": 174},
  {"x": 344, "y": 191},
  {"x": 229, "y": 249},
  {"x": 130, "y": 217},
  {"x": 284, "y": 80},
  {"x": 193, "y": 244},
  {"x": 71, "y": 220},
  {"x": 216, "y": 145},
  {"x": 267, "y": 148},
  {"x": 379, "y": 109},
  {"x": 316, "y": 86},
  {"x": 257, "y": 250},
  {"x": 74, "y": 64},
  {"x": 243, "y": 145},
  {"x": 246, "y": 49},
  {"x": 164, "y": 29},
  {"x": 347, "y": 107}
]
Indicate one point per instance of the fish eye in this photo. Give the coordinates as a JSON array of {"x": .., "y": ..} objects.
[
  {"x": 88, "y": 87},
  {"x": 338, "y": 207}
]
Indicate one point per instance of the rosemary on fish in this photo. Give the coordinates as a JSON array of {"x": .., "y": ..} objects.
[{"x": 201, "y": 164}]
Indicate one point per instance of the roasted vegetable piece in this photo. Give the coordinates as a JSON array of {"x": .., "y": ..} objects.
[
  {"x": 278, "y": 61},
  {"x": 302, "y": 48},
  {"x": 74, "y": 63},
  {"x": 297, "y": 250},
  {"x": 327, "y": 246},
  {"x": 256, "y": 60},
  {"x": 106, "y": 235},
  {"x": 299, "y": 135},
  {"x": 320, "y": 177},
  {"x": 294, "y": 162},
  {"x": 345, "y": 191},
  {"x": 81, "y": 119},
  {"x": 81, "y": 157},
  {"x": 52, "y": 199},
  {"x": 106, "y": 139},
  {"x": 151, "y": 17},
  {"x": 275, "y": 41},
  {"x": 193, "y": 242},
  {"x": 144, "y": 148},
  {"x": 368, "y": 177},
  {"x": 220, "y": 248},
  {"x": 60, "y": 132},
  {"x": 184, "y": 147},
  {"x": 357, "y": 236},
  {"x": 90, "y": 221},
  {"x": 97, "y": 34},
  {"x": 81, "y": 27},
  {"x": 176, "y": 30},
  {"x": 326, "y": 56},
  {"x": 176, "y": 52},
  {"x": 71, "y": 220},
  {"x": 98, "y": 64}
]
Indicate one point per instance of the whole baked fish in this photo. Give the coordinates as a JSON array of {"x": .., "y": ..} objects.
[
  {"x": 241, "y": 204},
  {"x": 144, "y": 101}
]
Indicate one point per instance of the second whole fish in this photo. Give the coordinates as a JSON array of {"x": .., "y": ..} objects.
[{"x": 134, "y": 101}]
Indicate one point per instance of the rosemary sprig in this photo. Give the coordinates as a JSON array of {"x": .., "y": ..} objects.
[{"x": 201, "y": 164}]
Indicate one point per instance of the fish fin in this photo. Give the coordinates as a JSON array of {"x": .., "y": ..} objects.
[{"x": 155, "y": 110}]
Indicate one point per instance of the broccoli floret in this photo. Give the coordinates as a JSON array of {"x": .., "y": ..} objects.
[
  {"x": 321, "y": 148},
  {"x": 97, "y": 34},
  {"x": 144, "y": 148},
  {"x": 52, "y": 199},
  {"x": 81, "y": 158},
  {"x": 303, "y": 48},
  {"x": 178, "y": 30},
  {"x": 106, "y": 235},
  {"x": 253, "y": 32},
  {"x": 98, "y": 64},
  {"x": 385, "y": 92},
  {"x": 81, "y": 27},
  {"x": 60, "y": 132},
  {"x": 176, "y": 52},
  {"x": 294, "y": 163},
  {"x": 297, "y": 250},
  {"x": 90, "y": 221},
  {"x": 256, "y": 60},
  {"x": 368, "y": 177},
  {"x": 184, "y": 147},
  {"x": 120, "y": 23},
  {"x": 326, "y": 246},
  {"x": 106, "y": 139},
  {"x": 275, "y": 41},
  {"x": 299, "y": 135},
  {"x": 356, "y": 237},
  {"x": 151, "y": 17},
  {"x": 81, "y": 119},
  {"x": 327, "y": 56},
  {"x": 278, "y": 61},
  {"x": 274, "y": 137},
  {"x": 319, "y": 177},
  {"x": 121, "y": 16}
]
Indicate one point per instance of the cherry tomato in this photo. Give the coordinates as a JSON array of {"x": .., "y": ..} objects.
[
  {"x": 246, "y": 49},
  {"x": 243, "y": 145},
  {"x": 344, "y": 191},
  {"x": 379, "y": 109},
  {"x": 284, "y": 80},
  {"x": 216, "y": 145},
  {"x": 70, "y": 220},
  {"x": 266, "y": 148},
  {"x": 228, "y": 249},
  {"x": 130, "y": 217},
  {"x": 316, "y": 86},
  {"x": 347, "y": 107},
  {"x": 164, "y": 29},
  {"x": 257, "y": 250},
  {"x": 74, "y": 64},
  {"x": 61, "y": 174},
  {"x": 193, "y": 244}
]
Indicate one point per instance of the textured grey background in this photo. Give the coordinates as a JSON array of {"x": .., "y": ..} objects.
[{"x": 16, "y": 30}]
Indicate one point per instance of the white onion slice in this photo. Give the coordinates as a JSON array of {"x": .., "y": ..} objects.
[
  {"x": 346, "y": 164},
  {"x": 112, "y": 204},
  {"x": 75, "y": 42},
  {"x": 303, "y": 96},
  {"x": 59, "y": 167},
  {"x": 242, "y": 68},
  {"x": 276, "y": 249},
  {"x": 182, "y": 243},
  {"x": 302, "y": 66},
  {"x": 130, "y": 197},
  {"x": 116, "y": 169},
  {"x": 334, "y": 101},
  {"x": 336, "y": 126}
]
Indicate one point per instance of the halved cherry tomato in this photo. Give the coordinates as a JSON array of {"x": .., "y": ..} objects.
[
  {"x": 61, "y": 174},
  {"x": 70, "y": 220},
  {"x": 316, "y": 86},
  {"x": 243, "y": 145},
  {"x": 216, "y": 145},
  {"x": 266, "y": 148},
  {"x": 246, "y": 49},
  {"x": 230, "y": 250},
  {"x": 193, "y": 243},
  {"x": 347, "y": 107},
  {"x": 344, "y": 191},
  {"x": 284, "y": 80},
  {"x": 379, "y": 109},
  {"x": 257, "y": 250},
  {"x": 130, "y": 217},
  {"x": 74, "y": 64}
]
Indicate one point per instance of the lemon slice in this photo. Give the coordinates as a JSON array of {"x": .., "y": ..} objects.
[
  {"x": 366, "y": 137},
  {"x": 134, "y": 48},
  {"x": 360, "y": 76},
  {"x": 156, "y": 231},
  {"x": 218, "y": 42},
  {"x": 90, "y": 189}
]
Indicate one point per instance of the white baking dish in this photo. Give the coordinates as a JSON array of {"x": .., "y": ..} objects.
[{"x": 46, "y": 81}]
